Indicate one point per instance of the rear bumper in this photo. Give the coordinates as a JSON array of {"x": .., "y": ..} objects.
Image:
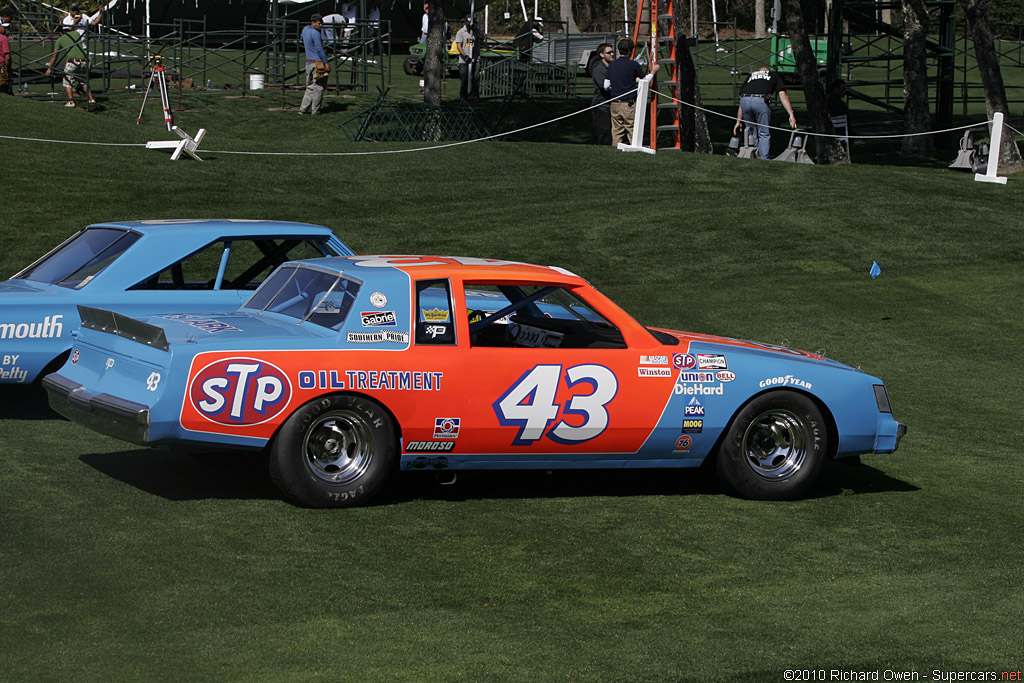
[{"x": 103, "y": 413}]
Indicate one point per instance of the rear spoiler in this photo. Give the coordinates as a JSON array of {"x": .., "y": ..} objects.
[{"x": 123, "y": 326}]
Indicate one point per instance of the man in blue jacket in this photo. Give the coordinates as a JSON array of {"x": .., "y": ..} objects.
[
  {"x": 317, "y": 68},
  {"x": 623, "y": 75}
]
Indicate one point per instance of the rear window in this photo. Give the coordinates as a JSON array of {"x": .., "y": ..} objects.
[{"x": 76, "y": 262}]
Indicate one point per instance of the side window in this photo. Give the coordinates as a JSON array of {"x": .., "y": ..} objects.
[
  {"x": 194, "y": 272},
  {"x": 249, "y": 263},
  {"x": 435, "y": 323},
  {"x": 533, "y": 316}
]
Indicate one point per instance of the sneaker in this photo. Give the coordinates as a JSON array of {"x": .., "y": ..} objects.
[{"x": 69, "y": 103}]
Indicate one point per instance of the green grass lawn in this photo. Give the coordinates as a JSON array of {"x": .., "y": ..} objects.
[{"x": 124, "y": 564}]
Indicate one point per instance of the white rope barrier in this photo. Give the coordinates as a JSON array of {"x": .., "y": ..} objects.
[
  {"x": 830, "y": 135},
  {"x": 511, "y": 132}
]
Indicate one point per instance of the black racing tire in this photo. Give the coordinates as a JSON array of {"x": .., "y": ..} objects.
[
  {"x": 336, "y": 451},
  {"x": 774, "y": 448},
  {"x": 412, "y": 66}
]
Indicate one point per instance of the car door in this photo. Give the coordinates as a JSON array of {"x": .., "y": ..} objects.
[{"x": 552, "y": 381}]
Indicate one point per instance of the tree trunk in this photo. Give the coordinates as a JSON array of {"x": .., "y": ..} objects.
[
  {"x": 760, "y": 30},
  {"x": 991, "y": 78},
  {"x": 827, "y": 150},
  {"x": 435, "y": 60},
  {"x": 916, "y": 118},
  {"x": 565, "y": 14},
  {"x": 694, "y": 134}
]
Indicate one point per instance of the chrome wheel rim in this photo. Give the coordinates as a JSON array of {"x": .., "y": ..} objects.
[
  {"x": 775, "y": 444},
  {"x": 338, "y": 447}
]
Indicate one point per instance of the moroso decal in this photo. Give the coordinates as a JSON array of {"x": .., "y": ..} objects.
[
  {"x": 429, "y": 446},
  {"x": 240, "y": 391}
]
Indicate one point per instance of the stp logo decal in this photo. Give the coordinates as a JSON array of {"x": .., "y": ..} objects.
[
  {"x": 683, "y": 361},
  {"x": 240, "y": 391}
]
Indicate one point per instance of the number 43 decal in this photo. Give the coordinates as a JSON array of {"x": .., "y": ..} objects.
[{"x": 531, "y": 404}]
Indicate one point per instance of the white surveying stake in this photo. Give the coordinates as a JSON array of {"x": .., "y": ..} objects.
[{"x": 157, "y": 74}]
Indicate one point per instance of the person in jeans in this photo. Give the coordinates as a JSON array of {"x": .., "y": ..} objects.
[{"x": 756, "y": 106}]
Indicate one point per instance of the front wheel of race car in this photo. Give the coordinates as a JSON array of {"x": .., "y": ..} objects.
[
  {"x": 336, "y": 451},
  {"x": 774, "y": 448}
]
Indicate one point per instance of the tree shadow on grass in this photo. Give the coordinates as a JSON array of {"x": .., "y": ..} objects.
[{"x": 179, "y": 476}]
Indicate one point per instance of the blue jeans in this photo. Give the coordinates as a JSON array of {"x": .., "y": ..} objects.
[{"x": 757, "y": 112}]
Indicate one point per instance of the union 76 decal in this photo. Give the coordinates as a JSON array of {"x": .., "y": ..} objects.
[{"x": 532, "y": 404}]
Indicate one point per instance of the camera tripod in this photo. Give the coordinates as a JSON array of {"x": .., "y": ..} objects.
[{"x": 161, "y": 80}]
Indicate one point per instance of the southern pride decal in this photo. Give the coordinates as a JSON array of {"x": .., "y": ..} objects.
[{"x": 240, "y": 392}]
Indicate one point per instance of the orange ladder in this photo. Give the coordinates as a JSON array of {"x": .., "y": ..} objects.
[{"x": 663, "y": 51}]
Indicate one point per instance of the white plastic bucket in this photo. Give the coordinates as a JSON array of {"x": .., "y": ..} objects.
[{"x": 256, "y": 81}]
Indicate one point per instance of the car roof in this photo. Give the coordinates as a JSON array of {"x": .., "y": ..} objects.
[
  {"x": 225, "y": 227},
  {"x": 376, "y": 266}
]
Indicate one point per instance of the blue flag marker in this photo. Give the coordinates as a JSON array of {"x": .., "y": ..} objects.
[{"x": 875, "y": 270}]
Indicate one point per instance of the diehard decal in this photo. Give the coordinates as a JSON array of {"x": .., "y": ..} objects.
[
  {"x": 240, "y": 391},
  {"x": 699, "y": 390}
]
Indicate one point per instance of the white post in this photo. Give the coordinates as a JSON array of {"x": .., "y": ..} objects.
[
  {"x": 639, "y": 118},
  {"x": 995, "y": 139},
  {"x": 522, "y": 3}
]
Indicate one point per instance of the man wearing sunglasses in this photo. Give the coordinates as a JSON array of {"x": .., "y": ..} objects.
[{"x": 602, "y": 115}]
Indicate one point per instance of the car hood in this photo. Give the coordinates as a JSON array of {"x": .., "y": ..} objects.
[
  {"x": 696, "y": 341},
  {"x": 216, "y": 328}
]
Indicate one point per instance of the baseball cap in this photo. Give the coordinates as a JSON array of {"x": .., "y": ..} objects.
[{"x": 316, "y": 17}]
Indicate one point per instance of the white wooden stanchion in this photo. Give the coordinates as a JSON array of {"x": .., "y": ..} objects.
[
  {"x": 990, "y": 175},
  {"x": 187, "y": 144},
  {"x": 640, "y": 118}
]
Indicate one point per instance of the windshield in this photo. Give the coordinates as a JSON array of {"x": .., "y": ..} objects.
[
  {"x": 76, "y": 262},
  {"x": 307, "y": 294}
]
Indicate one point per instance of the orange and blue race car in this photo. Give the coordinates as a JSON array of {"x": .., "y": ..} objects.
[{"x": 347, "y": 369}]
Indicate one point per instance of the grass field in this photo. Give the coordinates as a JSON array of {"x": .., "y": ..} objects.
[{"x": 123, "y": 564}]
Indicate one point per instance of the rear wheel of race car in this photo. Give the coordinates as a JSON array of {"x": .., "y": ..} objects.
[
  {"x": 774, "y": 447},
  {"x": 336, "y": 451}
]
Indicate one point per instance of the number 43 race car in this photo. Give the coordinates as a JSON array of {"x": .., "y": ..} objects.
[{"x": 347, "y": 369}]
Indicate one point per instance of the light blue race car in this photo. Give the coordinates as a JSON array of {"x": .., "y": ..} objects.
[{"x": 134, "y": 267}]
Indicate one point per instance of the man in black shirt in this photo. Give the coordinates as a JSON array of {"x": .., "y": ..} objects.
[{"x": 755, "y": 106}]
